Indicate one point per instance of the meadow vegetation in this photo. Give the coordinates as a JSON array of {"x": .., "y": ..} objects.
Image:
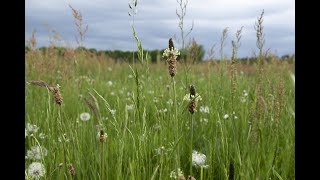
[{"x": 89, "y": 116}]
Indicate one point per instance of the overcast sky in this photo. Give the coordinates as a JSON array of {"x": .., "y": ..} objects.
[{"x": 156, "y": 21}]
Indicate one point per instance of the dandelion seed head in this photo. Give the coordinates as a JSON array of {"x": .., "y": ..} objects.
[
  {"x": 170, "y": 102},
  {"x": 32, "y": 128},
  {"x": 130, "y": 107},
  {"x": 109, "y": 83},
  {"x": 84, "y": 116},
  {"x": 198, "y": 159},
  {"x": 204, "y": 109},
  {"x": 37, "y": 153},
  {"x": 36, "y": 170}
]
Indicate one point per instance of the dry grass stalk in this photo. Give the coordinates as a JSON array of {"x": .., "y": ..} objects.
[
  {"x": 92, "y": 107},
  {"x": 54, "y": 89},
  {"x": 39, "y": 83},
  {"x": 79, "y": 24}
]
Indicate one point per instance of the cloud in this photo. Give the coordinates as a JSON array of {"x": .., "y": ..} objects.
[{"x": 156, "y": 21}]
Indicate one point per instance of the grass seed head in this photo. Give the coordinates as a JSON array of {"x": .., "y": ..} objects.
[{"x": 57, "y": 95}]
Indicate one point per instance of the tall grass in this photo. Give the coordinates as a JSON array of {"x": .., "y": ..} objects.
[{"x": 123, "y": 140}]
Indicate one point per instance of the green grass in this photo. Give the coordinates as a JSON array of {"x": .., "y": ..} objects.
[{"x": 129, "y": 151}]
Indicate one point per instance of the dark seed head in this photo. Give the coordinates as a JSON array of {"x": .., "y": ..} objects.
[
  {"x": 171, "y": 44},
  {"x": 192, "y": 91}
]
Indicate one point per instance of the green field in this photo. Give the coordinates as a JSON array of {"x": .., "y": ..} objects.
[{"x": 245, "y": 119}]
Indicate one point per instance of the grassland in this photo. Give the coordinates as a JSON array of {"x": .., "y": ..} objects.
[{"x": 150, "y": 131}]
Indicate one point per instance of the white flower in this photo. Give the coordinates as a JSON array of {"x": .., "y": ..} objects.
[
  {"x": 165, "y": 110},
  {"x": 198, "y": 159},
  {"x": 32, "y": 128},
  {"x": 170, "y": 102},
  {"x": 174, "y": 175},
  {"x": 170, "y": 52},
  {"x": 113, "y": 111},
  {"x": 204, "y": 109},
  {"x": 160, "y": 150},
  {"x": 37, "y": 153},
  {"x": 235, "y": 117},
  {"x": 187, "y": 97},
  {"x": 204, "y": 120},
  {"x": 112, "y": 93},
  {"x": 85, "y": 116},
  {"x": 226, "y": 116},
  {"x": 129, "y": 107},
  {"x": 109, "y": 83},
  {"x": 36, "y": 170},
  {"x": 42, "y": 136},
  {"x": 244, "y": 93},
  {"x": 130, "y": 76}
]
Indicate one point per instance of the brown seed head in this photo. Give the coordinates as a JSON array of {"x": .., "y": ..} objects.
[
  {"x": 191, "y": 178},
  {"x": 181, "y": 178},
  {"x": 172, "y": 66},
  {"x": 192, "y": 106},
  {"x": 71, "y": 170},
  {"x": 57, "y": 95},
  {"x": 102, "y": 137}
]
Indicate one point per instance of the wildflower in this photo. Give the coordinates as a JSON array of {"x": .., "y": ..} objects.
[
  {"x": 165, "y": 110},
  {"x": 197, "y": 97},
  {"x": 32, "y": 128},
  {"x": 160, "y": 150},
  {"x": 205, "y": 120},
  {"x": 244, "y": 93},
  {"x": 112, "y": 93},
  {"x": 204, "y": 109},
  {"x": 129, "y": 107},
  {"x": 102, "y": 136},
  {"x": 36, "y": 170},
  {"x": 109, "y": 83},
  {"x": 198, "y": 159},
  {"x": 174, "y": 175},
  {"x": 37, "y": 153},
  {"x": 113, "y": 111},
  {"x": 171, "y": 54},
  {"x": 193, "y": 98},
  {"x": 130, "y": 76},
  {"x": 85, "y": 116},
  {"x": 170, "y": 102},
  {"x": 42, "y": 136},
  {"x": 226, "y": 116}
]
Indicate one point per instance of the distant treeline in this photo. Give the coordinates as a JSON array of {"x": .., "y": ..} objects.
[{"x": 195, "y": 55}]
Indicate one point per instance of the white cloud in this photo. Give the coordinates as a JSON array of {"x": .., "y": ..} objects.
[{"x": 156, "y": 21}]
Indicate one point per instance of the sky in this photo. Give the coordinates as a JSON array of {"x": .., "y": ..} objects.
[{"x": 110, "y": 26}]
